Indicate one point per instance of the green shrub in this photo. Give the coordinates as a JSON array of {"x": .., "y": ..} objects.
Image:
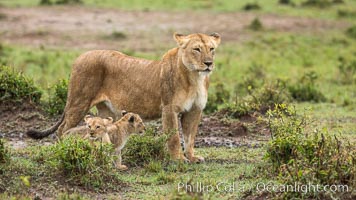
[
  {"x": 351, "y": 32},
  {"x": 259, "y": 100},
  {"x": 4, "y": 153},
  {"x": 81, "y": 162},
  {"x": 58, "y": 98},
  {"x": 347, "y": 71},
  {"x": 306, "y": 90},
  {"x": 60, "y": 2},
  {"x": 321, "y": 3},
  {"x": 251, "y": 6},
  {"x": 346, "y": 13},
  {"x": 218, "y": 98},
  {"x": 15, "y": 87},
  {"x": 307, "y": 157},
  {"x": 140, "y": 150},
  {"x": 256, "y": 25}
]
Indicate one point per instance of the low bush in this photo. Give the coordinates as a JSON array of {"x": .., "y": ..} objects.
[
  {"x": 347, "y": 71},
  {"x": 60, "y": 2},
  {"x": 140, "y": 150},
  {"x": 57, "y": 98},
  {"x": 306, "y": 90},
  {"x": 4, "y": 153},
  {"x": 251, "y": 6},
  {"x": 259, "y": 100},
  {"x": 256, "y": 25},
  {"x": 321, "y": 3},
  {"x": 82, "y": 163},
  {"x": 217, "y": 99},
  {"x": 346, "y": 13},
  {"x": 351, "y": 32},
  {"x": 17, "y": 88},
  {"x": 306, "y": 157}
]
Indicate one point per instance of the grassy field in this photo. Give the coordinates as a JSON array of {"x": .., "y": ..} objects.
[
  {"x": 295, "y": 8},
  {"x": 328, "y": 55}
]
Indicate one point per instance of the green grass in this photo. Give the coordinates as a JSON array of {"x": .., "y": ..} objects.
[{"x": 267, "y": 6}]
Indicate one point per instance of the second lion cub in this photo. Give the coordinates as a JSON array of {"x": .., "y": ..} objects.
[{"x": 118, "y": 132}]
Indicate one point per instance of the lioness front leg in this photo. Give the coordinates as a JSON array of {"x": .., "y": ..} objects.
[
  {"x": 170, "y": 123},
  {"x": 119, "y": 160},
  {"x": 190, "y": 122}
]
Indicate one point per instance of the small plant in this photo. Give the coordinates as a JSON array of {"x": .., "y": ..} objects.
[
  {"x": 15, "y": 87},
  {"x": 346, "y": 13},
  {"x": 58, "y": 99},
  {"x": 60, "y": 2},
  {"x": 4, "y": 153},
  {"x": 251, "y": 6},
  {"x": 218, "y": 98},
  {"x": 351, "y": 32},
  {"x": 347, "y": 71},
  {"x": 305, "y": 89},
  {"x": 82, "y": 162},
  {"x": 140, "y": 150},
  {"x": 256, "y": 25},
  {"x": 303, "y": 157},
  {"x": 259, "y": 100},
  {"x": 116, "y": 35},
  {"x": 321, "y": 3}
]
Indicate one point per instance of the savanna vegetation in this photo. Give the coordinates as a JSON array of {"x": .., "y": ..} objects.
[{"x": 291, "y": 89}]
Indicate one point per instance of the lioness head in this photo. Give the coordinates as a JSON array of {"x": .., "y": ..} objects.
[
  {"x": 198, "y": 50},
  {"x": 96, "y": 126},
  {"x": 135, "y": 123}
]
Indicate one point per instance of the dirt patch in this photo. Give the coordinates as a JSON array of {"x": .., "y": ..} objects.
[
  {"x": 16, "y": 119},
  {"x": 87, "y": 28}
]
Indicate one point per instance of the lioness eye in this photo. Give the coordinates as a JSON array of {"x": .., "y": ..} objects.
[
  {"x": 212, "y": 49},
  {"x": 196, "y": 49},
  {"x": 89, "y": 126},
  {"x": 97, "y": 127}
]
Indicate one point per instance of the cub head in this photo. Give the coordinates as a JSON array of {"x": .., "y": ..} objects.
[
  {"x": 134, "y": 121},
  {"x": 198, "y": 50},
  {"x": 96, "y": 126}
]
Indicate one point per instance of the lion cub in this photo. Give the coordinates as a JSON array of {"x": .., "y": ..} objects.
[
  {"x": 94, "y": 127},
  {"x": 118, "y": 133}
]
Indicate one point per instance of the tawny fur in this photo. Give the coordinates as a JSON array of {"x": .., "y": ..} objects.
[
  {"x": 93, "y": 125},
  {"x": 118, "y": 134},
  {"x": 176, "y": 84}
]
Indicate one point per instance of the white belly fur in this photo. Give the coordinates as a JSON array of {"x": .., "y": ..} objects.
[{"x": 199, "y": 97}]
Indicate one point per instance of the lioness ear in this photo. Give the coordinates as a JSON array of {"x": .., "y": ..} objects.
[
  {"x": 180, "y": 38},
  {"x": 132, "y": 119},
  {"x": 216, "y": 37},
  {"x": 86, "y": 118},
  {"x": 123, "y": 112}
]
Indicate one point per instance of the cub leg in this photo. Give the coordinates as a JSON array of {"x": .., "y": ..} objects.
[{"x": 119, "y": 159}]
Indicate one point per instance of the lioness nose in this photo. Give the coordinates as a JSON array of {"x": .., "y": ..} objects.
[{"x": 208, "y": 63}]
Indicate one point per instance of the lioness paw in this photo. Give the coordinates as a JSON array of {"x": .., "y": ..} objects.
[{"x": 196, "y": 159}]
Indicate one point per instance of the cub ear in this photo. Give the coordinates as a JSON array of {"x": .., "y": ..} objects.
[
  {"x": 109, "y": 120},
  {"x": 123, "y": 112},
  {"x": 180, "y": 39},
  {"x": 216, "y": 37},
  {"x": 86, "y": 118},
  {"x": 132, "y": 119}
]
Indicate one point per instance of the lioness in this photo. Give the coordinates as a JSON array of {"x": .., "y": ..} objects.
[
  {"x": 178, "y": 83},
  {"x": 118, "y": 133},
  {"x": 93, "y": 125}
]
